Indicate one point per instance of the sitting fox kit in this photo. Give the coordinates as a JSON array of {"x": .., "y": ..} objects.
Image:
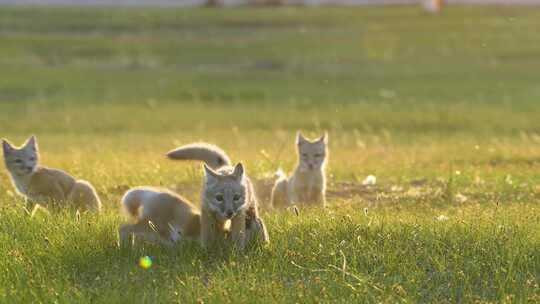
[
  {"x": 307, "y": 184},
  {"x": 227, "y": 197},
  {"x": 40, "y": 184},
  {"x": 160, "y": 216}
]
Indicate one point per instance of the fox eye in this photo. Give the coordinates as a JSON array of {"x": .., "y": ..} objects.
[
  {"x": 304, "y": 155},
  {"x": 18, "y": 161},
  {"x": 236, "y": 197},
  {"x": 319, "y": 155},
  {"x": 219, "y": 198}
]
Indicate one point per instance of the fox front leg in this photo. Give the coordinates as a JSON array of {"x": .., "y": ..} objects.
[
  {"x": 238, "y": 230},
  {"x": 319, "y": 198}
]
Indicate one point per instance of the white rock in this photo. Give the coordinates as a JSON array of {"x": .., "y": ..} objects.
[
  {"x": 442, "y": 218},
  {"x": 369, "y": 180},
  {"x": 460, "y": 198}
]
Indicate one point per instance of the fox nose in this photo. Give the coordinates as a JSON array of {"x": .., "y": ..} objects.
[
  {"x": 28, "y": 168},
  {"x": 230, "y": 214},
  {"x": 310, "y": 166}
]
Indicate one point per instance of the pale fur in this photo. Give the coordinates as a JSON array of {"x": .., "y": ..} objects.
[
  {"x": 227, "y": 197},
  {"x": 160, "y": 216},
  {"x": 42, "y": 185},
  {"x": 307, "y": 183}
]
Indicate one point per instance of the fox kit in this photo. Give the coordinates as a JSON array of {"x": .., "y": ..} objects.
[
  {"x": 227, "y": 197},
  {"x": 307, "y": 184},
  {"x": 160, "y": 216},
  {"x": 40, "y": 184}
]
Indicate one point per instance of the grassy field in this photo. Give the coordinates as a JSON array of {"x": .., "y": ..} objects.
[{"x": 444, "y": 110}]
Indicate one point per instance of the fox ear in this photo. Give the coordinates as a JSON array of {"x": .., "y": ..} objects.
[
  {"x": 209, "y": 174},
  {"x": 31, "y": 143},
  {"x": 324, "y": 138},
  {"x": 7, "y": 147},
  {"x": 238, "y": 172},
  {"x": 300, "y": 139}
]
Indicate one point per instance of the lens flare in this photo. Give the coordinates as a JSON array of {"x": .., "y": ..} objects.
[{"x": 145, "y": 262}]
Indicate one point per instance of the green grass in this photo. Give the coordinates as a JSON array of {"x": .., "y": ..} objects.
[{"x": 442, "y": 109}]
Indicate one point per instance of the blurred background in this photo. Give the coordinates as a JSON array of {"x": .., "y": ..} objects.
[
  {"x": 403, "y": 89},
  {"x": 258, "y": 2}
]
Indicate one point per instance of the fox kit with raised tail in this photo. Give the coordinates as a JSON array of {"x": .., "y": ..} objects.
[
  {"x": 160, "y": 216},
  {"x": 42, "y": 185},
  {"x": 307, "y": 184},
  {"x": 227, "y": 197}
]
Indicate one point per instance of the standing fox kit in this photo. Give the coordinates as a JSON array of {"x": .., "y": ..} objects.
[
  {"x": 160, "y": 216},
  {"x": 40, "y": 184},
  {"x": 227, "y": 197},
  {"x": 307, "y": 184}
]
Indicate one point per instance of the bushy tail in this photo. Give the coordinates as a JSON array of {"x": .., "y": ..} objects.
[
  {"x": 131, "y": 201},
  {"x": 84, "y": 194},
  {"x": 212, "y": 155}
]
